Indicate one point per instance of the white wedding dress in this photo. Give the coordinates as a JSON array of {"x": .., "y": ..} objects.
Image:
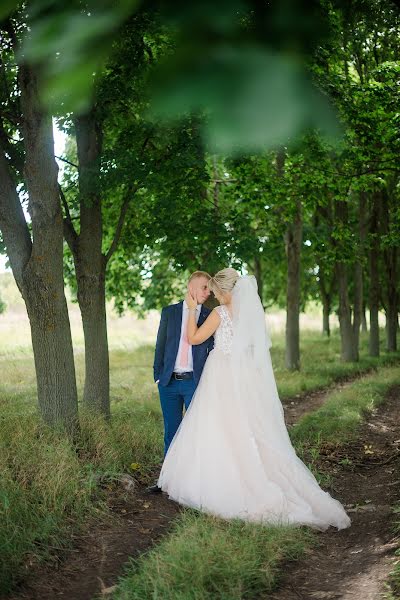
[{"x": 232, "y": 456}]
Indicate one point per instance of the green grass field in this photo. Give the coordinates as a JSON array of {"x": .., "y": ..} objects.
[{"x": 48, "y": 488}]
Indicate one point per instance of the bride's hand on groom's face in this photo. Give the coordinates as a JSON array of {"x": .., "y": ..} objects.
[{"x": 190, "y": 299}]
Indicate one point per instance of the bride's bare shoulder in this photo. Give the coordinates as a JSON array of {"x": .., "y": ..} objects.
[{"x": 216, "y": 313}]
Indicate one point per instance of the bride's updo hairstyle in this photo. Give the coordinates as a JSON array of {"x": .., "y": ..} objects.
[{"x": 224, "y": 281}]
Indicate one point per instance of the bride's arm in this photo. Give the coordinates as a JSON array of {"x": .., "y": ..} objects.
[{"x": 198, "y": 335}]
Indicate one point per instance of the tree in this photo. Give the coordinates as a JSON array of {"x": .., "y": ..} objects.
[
  {"x": 38, "y": 272},
  {"x": 358, "y": 69}
]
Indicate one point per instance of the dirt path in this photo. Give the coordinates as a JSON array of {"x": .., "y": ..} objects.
[
  {"x": 353, "y": 564},
  {"x": 97, "y": 558},
  {"x": 301, "y": 404}
]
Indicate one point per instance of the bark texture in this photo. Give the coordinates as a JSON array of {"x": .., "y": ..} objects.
[
  {"x": 374, "y": 276},
  {"x": 390, "y": 259},
  {"x": 293, "y": 239},
  {"x": 349, "y": 350},
  {"x": 37, "y": 262},
  {"x": 90, "y": 265}
]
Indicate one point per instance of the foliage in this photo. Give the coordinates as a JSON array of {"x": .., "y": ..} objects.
[
  {"x": 200, "y": 210},
  {"x": 189, "y": 208},
  {"x": 222, "y": 63}
]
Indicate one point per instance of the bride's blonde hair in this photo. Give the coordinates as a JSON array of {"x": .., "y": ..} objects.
[{"x": 223, "y": 281}]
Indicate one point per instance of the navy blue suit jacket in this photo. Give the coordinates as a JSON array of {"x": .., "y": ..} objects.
[{"x": 169, "y": 333}]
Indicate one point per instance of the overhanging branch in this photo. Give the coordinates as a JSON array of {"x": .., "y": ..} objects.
[
  {"x": 69, "y": 231},
  {"x": 68, "y": 162},
  {"x": 121, "y": 220}
]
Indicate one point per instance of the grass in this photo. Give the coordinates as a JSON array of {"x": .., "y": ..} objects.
[
  {"x": 49, "y": 489},
  {"x": 393, "y": 584},
  {"x": 337, "y": 420},
  {"x": 206, "y": 558},
  {"x": 43, "y": 490},
  {"x": 321, "y": 364}
]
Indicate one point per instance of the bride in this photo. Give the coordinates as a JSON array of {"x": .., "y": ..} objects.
[{"x": 232, "y": 456}]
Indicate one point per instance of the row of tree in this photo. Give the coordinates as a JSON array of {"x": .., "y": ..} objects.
[{"x": 141, "y": 201}]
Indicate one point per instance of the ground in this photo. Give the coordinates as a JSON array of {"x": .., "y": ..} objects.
[
  {"x": 349, "y": 564},
  {"x": 354, "y": 563}
]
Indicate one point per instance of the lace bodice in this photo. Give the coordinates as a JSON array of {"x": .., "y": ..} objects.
[{"x": 224, "y": 333}]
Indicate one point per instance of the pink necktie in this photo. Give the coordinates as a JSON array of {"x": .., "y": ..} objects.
[{"x": 184, "y": 355}]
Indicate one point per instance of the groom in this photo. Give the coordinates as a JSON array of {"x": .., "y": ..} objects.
[{"x": 177, "y": 364}]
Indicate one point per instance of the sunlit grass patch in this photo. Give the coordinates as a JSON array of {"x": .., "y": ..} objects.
[{"x": 338, "y": 418}]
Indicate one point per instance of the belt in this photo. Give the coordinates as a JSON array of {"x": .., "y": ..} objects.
[{"x": 180, "y": 376}]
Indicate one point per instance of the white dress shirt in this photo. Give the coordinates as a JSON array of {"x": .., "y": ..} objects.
[{"x": 185, "y": 315}]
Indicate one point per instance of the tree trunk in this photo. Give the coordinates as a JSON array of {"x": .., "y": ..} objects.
[
  {"x": 38, "y": 266},
  {"x": 391, "y": 318},
  {"x": 358, "y": 273},
  {"x": 364, "y": 324},
  {"x": 326, "y": 311},
  {"x": 52, "y": 345},
  {"x": 259, "y": 276},
  {"x": 90, "y": 265},
  {"x": 91, "y": 298},
  {"x": 390, "y": 262},
  {"x": 326, "y": 301},
  {"x": 293, "y": 238},
  {"x": 374, "y": 278},
  {"x": 349, "y": 351}
]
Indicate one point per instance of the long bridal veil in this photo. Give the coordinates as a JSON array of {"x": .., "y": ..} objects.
[
  {"x": 256, "y": 392},
  {"x": 289, "y": 488},
  {"x": 250, "y": 332}
]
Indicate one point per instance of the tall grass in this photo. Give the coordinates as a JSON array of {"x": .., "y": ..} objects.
[
  {"x": 44, "y": 489},
  {"x": 48, "y": 487}
]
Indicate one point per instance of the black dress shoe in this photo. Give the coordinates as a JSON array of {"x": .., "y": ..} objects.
[{"x": 154, "y": 489}]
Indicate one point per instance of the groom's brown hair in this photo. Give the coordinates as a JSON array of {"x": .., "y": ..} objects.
[{"x": 199, "y": 274}]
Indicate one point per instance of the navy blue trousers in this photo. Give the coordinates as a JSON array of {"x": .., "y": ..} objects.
[{"x": 173, "y": 397}]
